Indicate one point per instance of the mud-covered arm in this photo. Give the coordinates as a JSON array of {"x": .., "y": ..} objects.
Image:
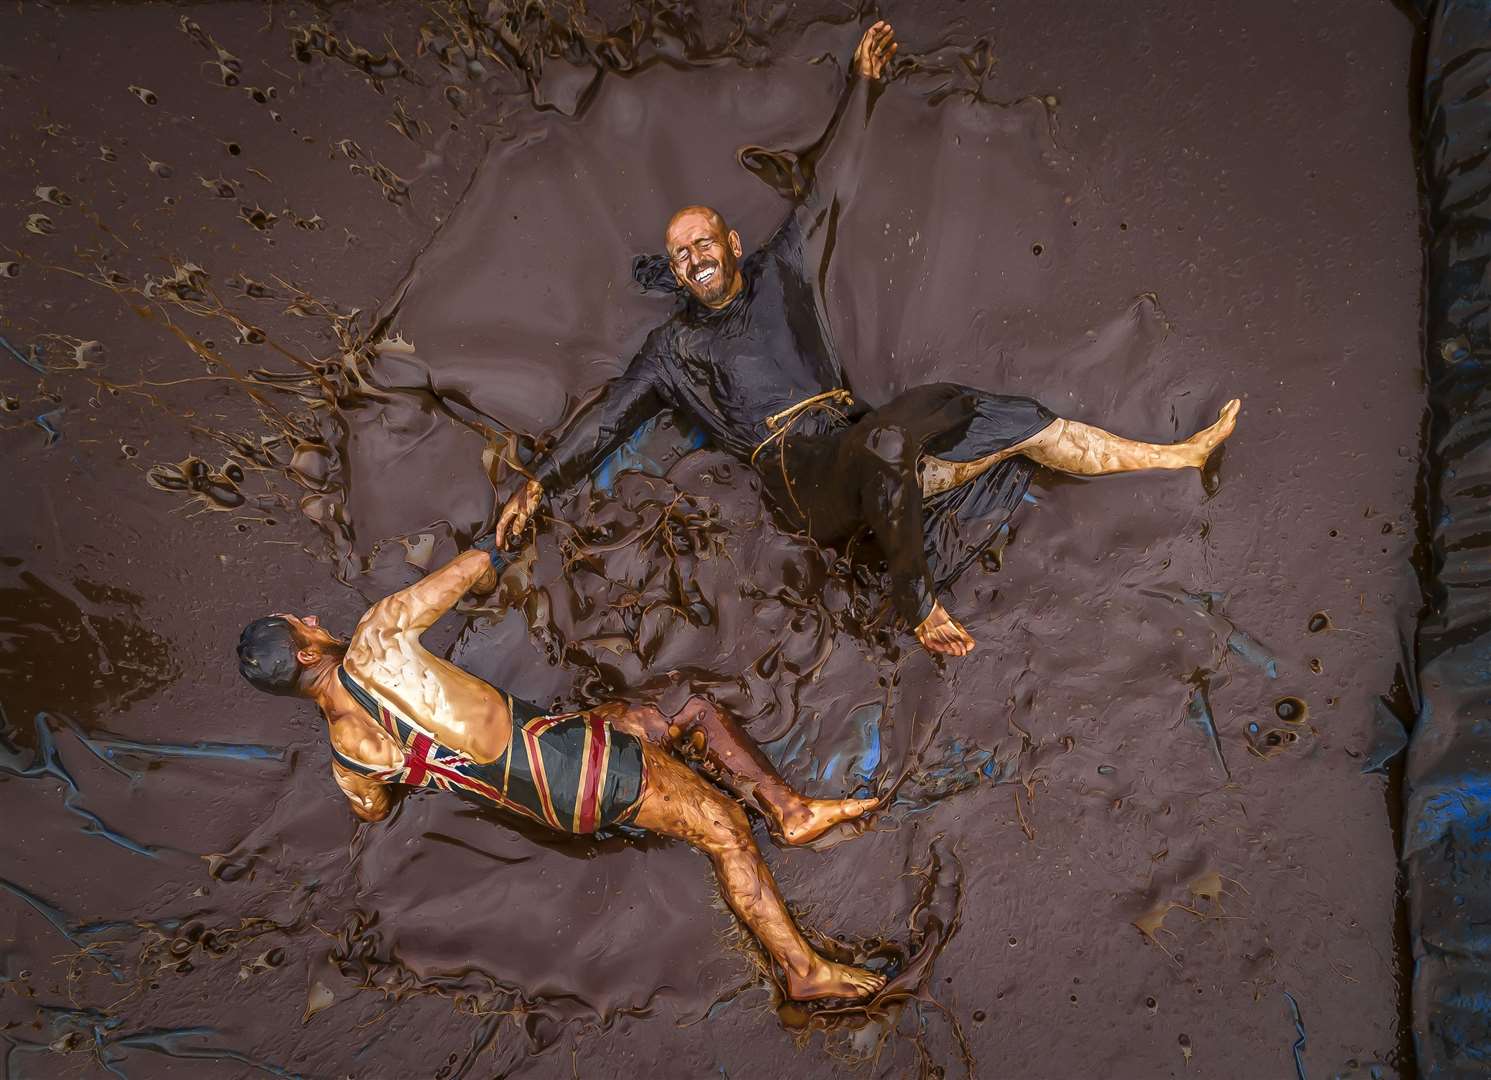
[
  {"x": 420, "y": 606},
  {"x": 372, "y": 800},
  {"x": 831, "y": 167},
  {"x": 636, "y": 395}
]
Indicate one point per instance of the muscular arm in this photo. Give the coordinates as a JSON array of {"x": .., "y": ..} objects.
[
  {"x": 831, "y": 167},
  {"x": 420, "y": 606},
  {"x": 372, "y": 800}
]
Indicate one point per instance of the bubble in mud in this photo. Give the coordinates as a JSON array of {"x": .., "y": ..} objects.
[
  {"x": 1319, "y": 621},
  {"x": 1315, "y": 665},
  {"x": 127, "y": 450},
  {"x": 233, "y": 149},
  {"x": 161, "y": 169},
  {"x": 1036, "y": 249},
  {"x": 1291, "y": 710},
  {"x": 979, "y": 1016},
  {"x": 147, "y": 96},
  {"x": 8, "y": 403},
  {"x": 1151, "y": 1004},
  {"x": 40, "y": 224},
  {"x": 234, "y": 472},
  {"x": 10, "y": 269},
  {"x": 53, "y": 195}
]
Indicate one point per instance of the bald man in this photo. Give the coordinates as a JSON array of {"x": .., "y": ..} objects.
[{"x": 747, "y": 357}]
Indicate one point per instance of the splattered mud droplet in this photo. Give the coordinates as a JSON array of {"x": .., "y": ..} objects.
[
  {"x": 160, "y": 169},
  {"x": 1319, "y": 621},
  {"x": 53, "y": 195},
  {"x": 317, "y": 998},
  {"x": 1315, "y": 665},
  {"x": 1036, "y": 249},
  {"x": 10, "y": 269},
  {"x": 40, "y": 224},
  {"x": 105, "y": 154},
  {"x": 147, "y": 96},
  {"x": 258, "y": 217}
]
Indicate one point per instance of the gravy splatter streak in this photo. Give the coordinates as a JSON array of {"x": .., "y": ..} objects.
[{"x": 284, "y": 294}]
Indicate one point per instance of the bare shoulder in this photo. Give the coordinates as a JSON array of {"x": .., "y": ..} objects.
[{"x": 375, "y": 632}]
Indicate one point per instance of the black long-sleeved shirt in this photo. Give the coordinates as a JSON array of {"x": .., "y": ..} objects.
[{"x": 730, "y": 368}]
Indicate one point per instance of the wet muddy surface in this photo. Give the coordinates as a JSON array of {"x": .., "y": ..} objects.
[{"x": 287, "y": 289}]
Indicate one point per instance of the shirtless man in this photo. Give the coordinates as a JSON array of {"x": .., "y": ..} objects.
[
  {"x": 747, "y": 357},
  {"x": 399, "y": 717}
]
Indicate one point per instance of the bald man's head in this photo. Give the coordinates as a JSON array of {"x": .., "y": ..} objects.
[{"x": 705, "y": 254}]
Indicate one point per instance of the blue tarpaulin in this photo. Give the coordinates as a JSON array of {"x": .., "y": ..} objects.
[{"x": 1447, "y": 813}]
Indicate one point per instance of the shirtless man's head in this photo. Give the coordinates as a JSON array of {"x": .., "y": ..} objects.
[
  {"x": 286, "y": 655},
  {"x": 705, "y": 255}
]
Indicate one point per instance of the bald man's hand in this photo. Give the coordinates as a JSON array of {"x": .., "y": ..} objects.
[
  {"x": 516, "y": 512},
  {"x": 875, "y": 50}
]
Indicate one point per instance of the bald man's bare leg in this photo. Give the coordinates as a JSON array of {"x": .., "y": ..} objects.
[{"x": 1080, "y": 449}]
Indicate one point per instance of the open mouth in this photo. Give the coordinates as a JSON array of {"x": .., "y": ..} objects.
[{"x": 706, "y": 275}]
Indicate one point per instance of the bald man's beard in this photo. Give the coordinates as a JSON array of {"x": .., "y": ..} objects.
[{"x": 718, "y": 277}]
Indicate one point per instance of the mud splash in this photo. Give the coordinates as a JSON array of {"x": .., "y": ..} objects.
[{"x": 342, "y": 275}]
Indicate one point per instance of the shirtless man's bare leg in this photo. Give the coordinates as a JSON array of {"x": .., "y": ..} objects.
[
  {"x": 680, "y": 803},
  {"x": 701, "y": 728}
]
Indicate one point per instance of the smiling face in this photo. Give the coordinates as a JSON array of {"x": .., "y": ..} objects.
[{"x": 705, "y": 255}]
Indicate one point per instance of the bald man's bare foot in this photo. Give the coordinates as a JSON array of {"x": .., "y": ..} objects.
[
  {"x": 1208, "y": 439},
  {"x": 811, "y": 818},
  {"x": 826, "y": 979},
  {"x": 941, "y": 633}
]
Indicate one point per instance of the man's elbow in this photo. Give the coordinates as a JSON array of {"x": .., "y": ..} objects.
[{"x": 371, "y": 810}]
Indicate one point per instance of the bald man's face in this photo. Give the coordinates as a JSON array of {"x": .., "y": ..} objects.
[{"x": 705, "y": 255}]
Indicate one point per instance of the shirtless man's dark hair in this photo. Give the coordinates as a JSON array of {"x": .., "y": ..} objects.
[
  {"x": 400, "y": 717},
  {"x": 933, "y": 474}
]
